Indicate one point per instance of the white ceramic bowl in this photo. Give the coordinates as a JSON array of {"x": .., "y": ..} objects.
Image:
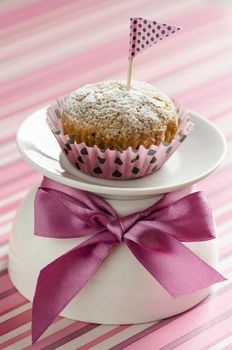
[{"x": 122, "y": 291}]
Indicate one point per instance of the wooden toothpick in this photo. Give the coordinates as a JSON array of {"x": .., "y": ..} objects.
[{"x": 128, "y": 86}]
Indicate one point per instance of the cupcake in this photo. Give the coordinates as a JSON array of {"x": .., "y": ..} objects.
[
  {"x": 108, "y": 115},
  {"x": 110, "y": 132}
]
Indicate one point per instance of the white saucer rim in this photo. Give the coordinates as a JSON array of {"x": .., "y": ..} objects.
[{"x": 131, "y": 192}]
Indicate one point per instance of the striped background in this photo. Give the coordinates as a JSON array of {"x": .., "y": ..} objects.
[{"x": 51, "y": 47}]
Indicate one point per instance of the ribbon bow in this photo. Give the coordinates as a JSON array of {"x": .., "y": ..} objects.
[{"x": 154, "y": 235}]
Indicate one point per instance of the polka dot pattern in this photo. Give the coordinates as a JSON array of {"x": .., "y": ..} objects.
[{"x": 145, "y": 33}]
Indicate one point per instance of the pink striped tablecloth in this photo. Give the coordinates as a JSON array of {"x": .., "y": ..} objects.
[{"x": 49, "y": 48}]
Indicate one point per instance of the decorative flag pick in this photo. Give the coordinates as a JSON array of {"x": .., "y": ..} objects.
[{"x": 143, "y": 34}]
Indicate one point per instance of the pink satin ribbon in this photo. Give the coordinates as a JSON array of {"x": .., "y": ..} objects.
[{"x": 154, "y": 235}]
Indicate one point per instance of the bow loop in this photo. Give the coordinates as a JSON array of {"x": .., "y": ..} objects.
[
  {"x": 192, "y": 211},
  {"x": 69, "y": 215}
]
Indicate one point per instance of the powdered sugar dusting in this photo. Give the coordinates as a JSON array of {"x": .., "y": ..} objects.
[{"x": 109, "y": 105}]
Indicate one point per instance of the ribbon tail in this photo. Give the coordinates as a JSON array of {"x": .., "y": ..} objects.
[
  {"x": 64, "y": 277},
  {"x": 174, "y": 266}
]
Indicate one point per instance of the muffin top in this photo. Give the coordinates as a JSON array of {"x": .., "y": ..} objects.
[
  {"x": 108, "y": 115},
  {"x": 109, "y": 105}
]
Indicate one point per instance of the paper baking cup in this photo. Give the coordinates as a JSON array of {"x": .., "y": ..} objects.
[{"x": 115, "y": 164}]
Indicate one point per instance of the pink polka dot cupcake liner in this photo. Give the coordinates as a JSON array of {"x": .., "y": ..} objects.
[{"x": 115, "y": 164}]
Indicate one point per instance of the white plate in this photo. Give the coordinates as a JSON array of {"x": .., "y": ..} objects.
[{"x": 199, "y": 155}]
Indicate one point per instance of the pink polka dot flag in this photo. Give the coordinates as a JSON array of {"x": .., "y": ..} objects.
[{"x": 145, "y": 33}]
